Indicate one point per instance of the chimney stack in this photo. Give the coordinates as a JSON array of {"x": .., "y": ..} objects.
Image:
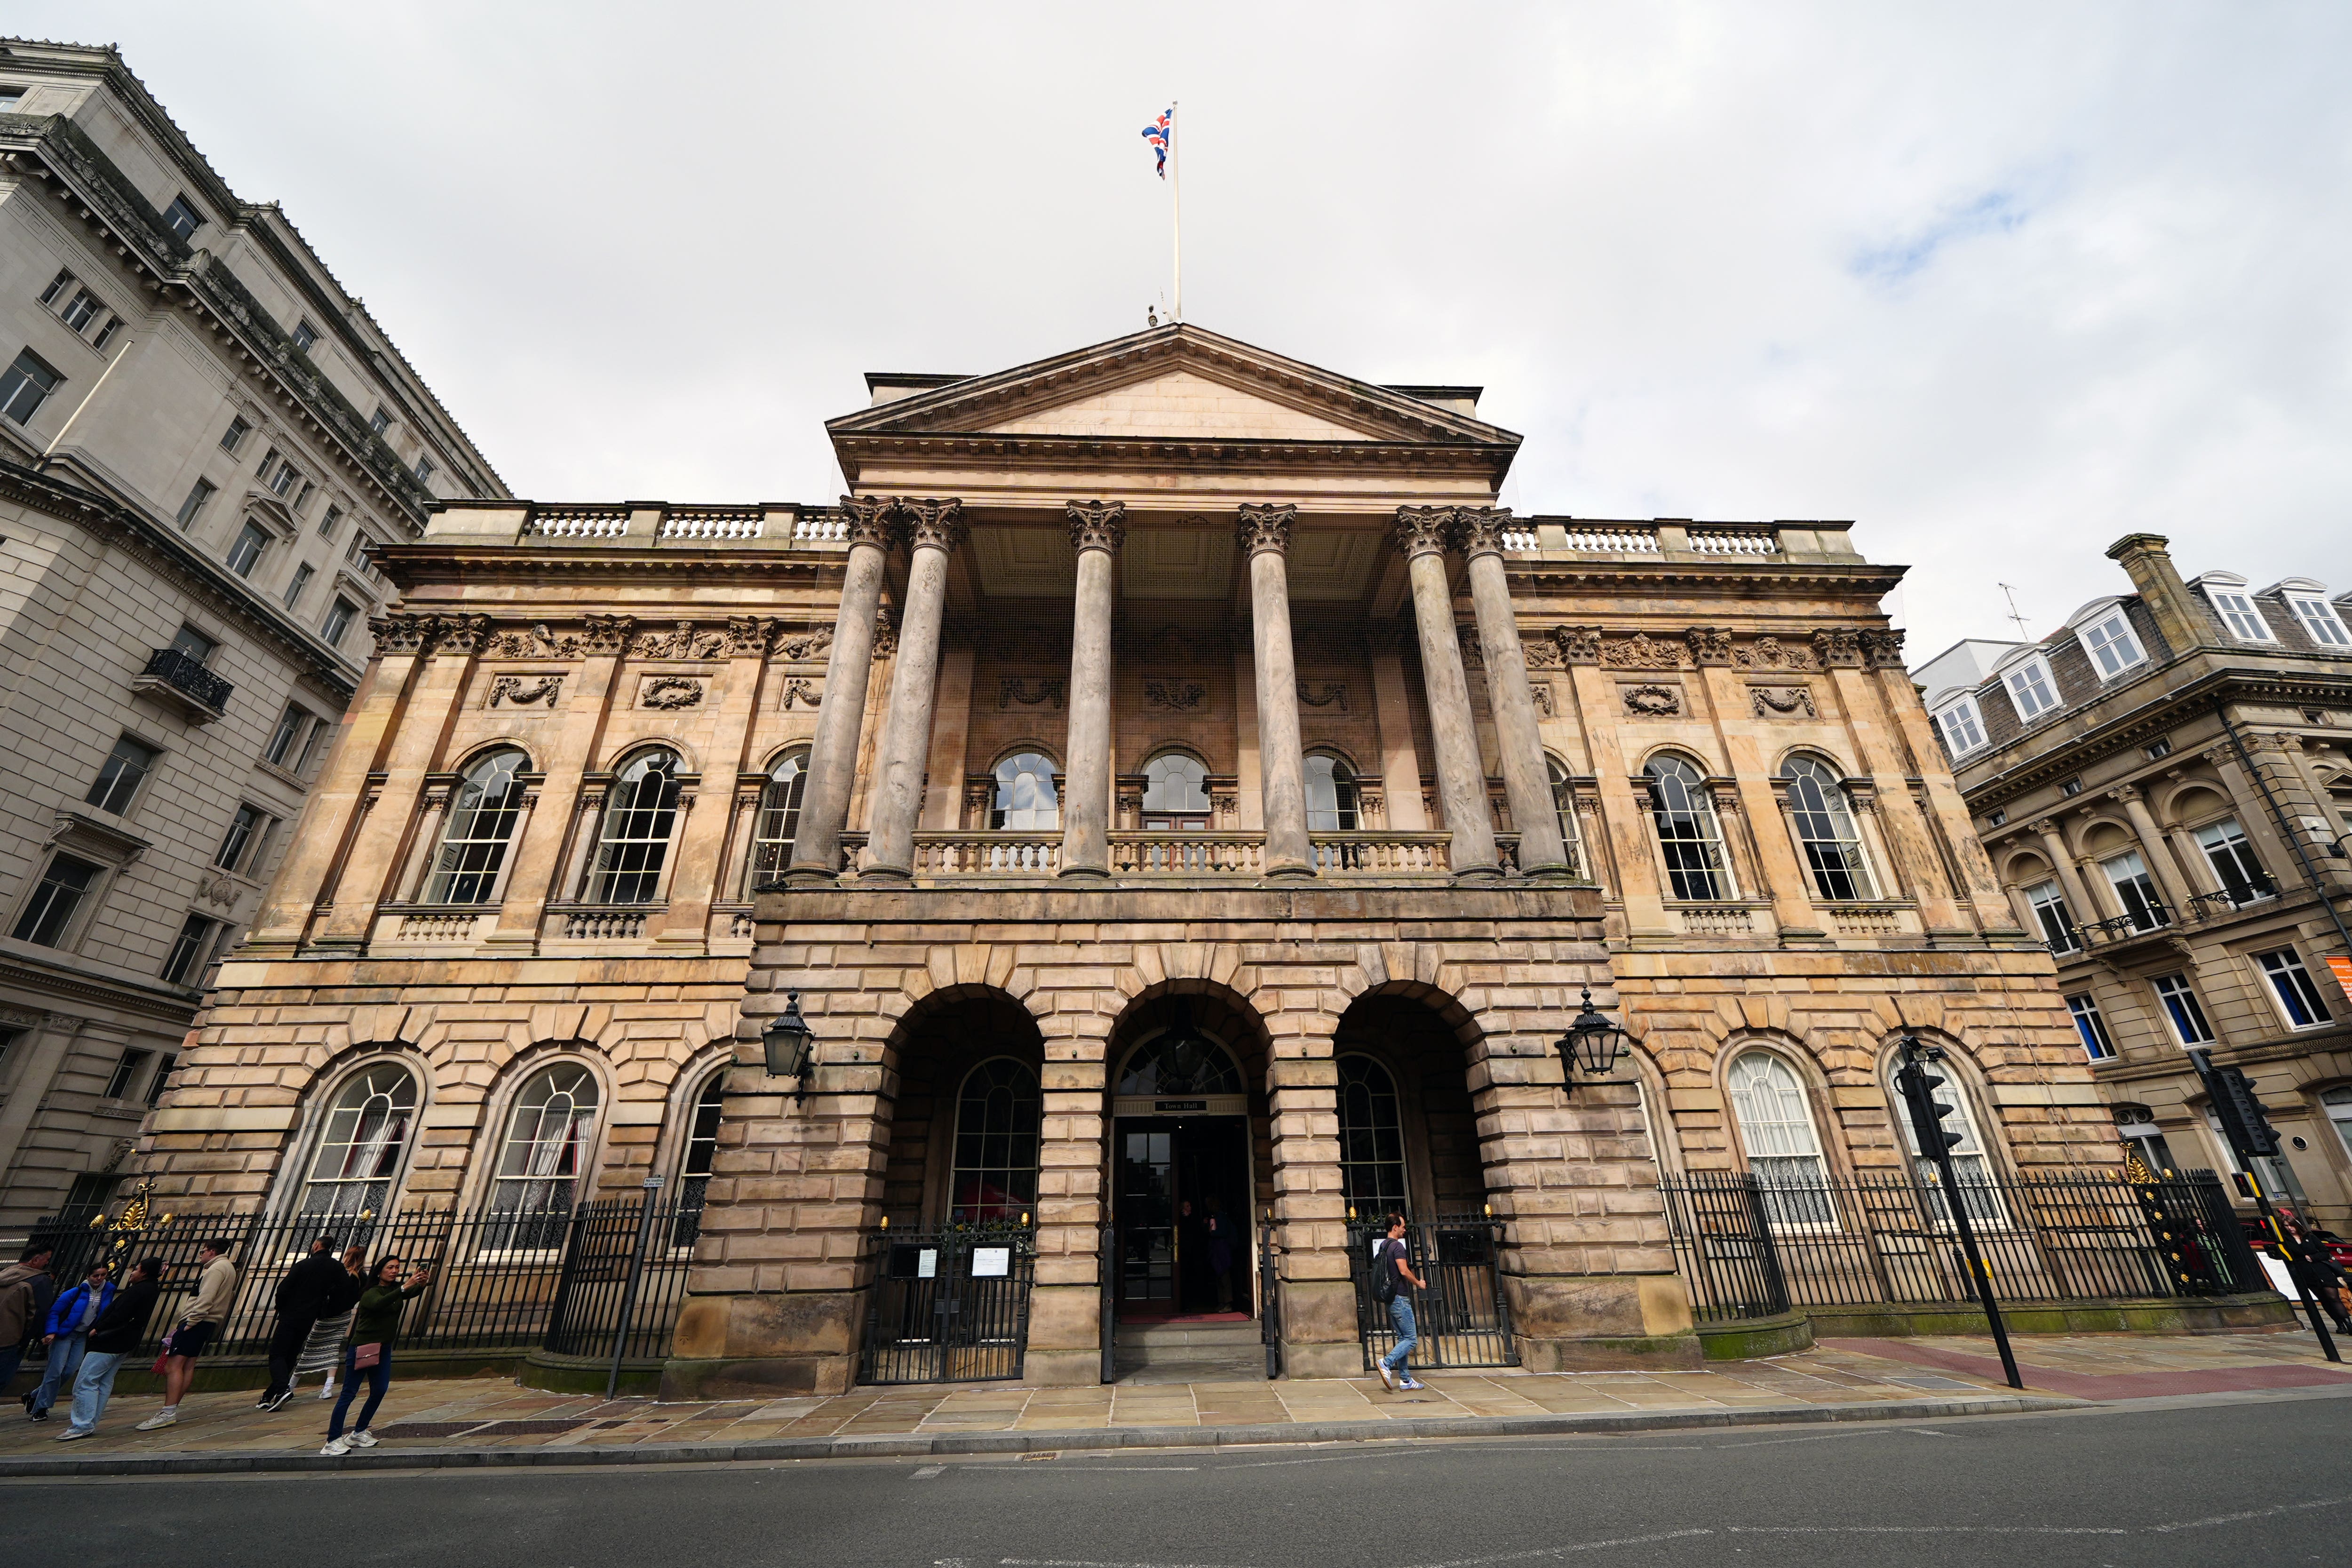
[{"x": 2157, "y": 582}]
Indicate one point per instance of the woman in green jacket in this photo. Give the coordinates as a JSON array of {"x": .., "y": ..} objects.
[{"x": 374, "y": 1324}]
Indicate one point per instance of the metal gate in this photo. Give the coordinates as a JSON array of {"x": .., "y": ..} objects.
[
  {"x": 948, "y": 1306},
  {"x": 1461, "y": 1318}
]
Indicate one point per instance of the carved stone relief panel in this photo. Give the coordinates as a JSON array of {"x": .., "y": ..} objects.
[
  {"x": 1652, "y": 699},
  {"x": 1785, "y": 701},
  {"x": 803, "y": 693},
  {"x": 669, "y": 692},
  {"x": 1029, "y": 693},
  {"x": 1175, "y": 696},
  {"x": 541, "y": 691}
]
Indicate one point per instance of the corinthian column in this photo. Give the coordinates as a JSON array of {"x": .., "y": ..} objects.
[
  {"x": 1421, "y": 533},
  {"x": 1097, "y": 531},
  {"x": 1526, "y": 781},
  {"x": 935, "y": 528},
  {"x": 841, "y": 714},
  {"x": 1265, "y": 539}
]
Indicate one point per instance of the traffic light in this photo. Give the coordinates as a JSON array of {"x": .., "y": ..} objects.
[
  {"x": 1919, "y": 1086},
  {"x": 2240, "y": 1113}
]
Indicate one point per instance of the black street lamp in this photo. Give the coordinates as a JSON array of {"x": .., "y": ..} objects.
[
  {"x": 1593, "y": 1042},
  {"x": 790, "y": 1044}
]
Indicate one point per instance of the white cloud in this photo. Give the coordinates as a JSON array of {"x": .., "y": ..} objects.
[{"x": 2000, "y": 283}]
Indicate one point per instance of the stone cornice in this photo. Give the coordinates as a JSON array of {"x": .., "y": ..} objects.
[
  {"x": 412, "y": 565},
  {"x": 2138, "y": 725},
  {"x": 170, "y": 1005},
  {"x": 1735, "y": 576},
  {"x": 1063, "y": 453},
  {"x": 169, "y": 553}
]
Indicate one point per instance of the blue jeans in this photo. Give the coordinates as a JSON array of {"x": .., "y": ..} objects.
[
  {"x": 64, "y": 1355},
  {"x": 93, "y": 1386},
  {"x": 379, "y": 1378},
  {"x": 1407, "y": 1335}
]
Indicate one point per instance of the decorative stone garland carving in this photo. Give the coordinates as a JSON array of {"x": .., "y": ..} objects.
[
  {"x": 1641, "y": 651},
  {"x": 1541, "y": 653},
  {"x": 809, "y": 647},
  {"x": 1331, "y": 694},
  {"x": 1770, "y": 700},
  {"x": 522, "y": 690},
  {"x": 1031, "y": 693},
  {"x": 670, "y": 692},
  {"x": 681, "y": 642},
  {"x": 798, "y": 693},
  {"x": 1652, "y": 701},
  {"x": 1176, "y": 696}
]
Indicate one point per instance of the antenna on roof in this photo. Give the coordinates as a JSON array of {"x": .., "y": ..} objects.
[{"x": 2009, "y": 592}]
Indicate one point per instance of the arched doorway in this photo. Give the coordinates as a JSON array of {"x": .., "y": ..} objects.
[{"x": 1183, "y": 1162}]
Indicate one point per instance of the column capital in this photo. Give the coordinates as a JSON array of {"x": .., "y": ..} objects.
[
  {"x": 867, "y": 519},
  {"x": 1423, "y": 530},
  {"x": 1265, "y": 528},
  {"x": 1479, "y": 529},
  {"x": 1098, "y": 525},
  {"x": 933, "y": 523},
  {"x": 2124, "y": 794}
]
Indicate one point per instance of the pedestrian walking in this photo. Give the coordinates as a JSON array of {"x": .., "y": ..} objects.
[
  {"x": 373, "y": 1327},
  {"x": 116, "y": 1333},
  {"x": 199, "y": 1324},
  {"x": 67, "y": 1334},
  {"x": 25, "y": 1293},
  {"x": 303, "y": 1298},
  {"x": 1393, "y": 1283}
]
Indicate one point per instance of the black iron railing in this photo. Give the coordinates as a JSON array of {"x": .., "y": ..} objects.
[
  {"x": 501, "y": 1280},
  {"x": 1462, "y": 1319},
  {"x": 188, "y": 675},
  {"x": 1749, "y": 1248},
  {"x": 948, "y": 1306}
]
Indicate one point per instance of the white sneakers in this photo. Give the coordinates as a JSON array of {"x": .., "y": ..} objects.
[
  {"x": 363, "y": 1439},
  {"x": 71, "y": 1434},
  {"x": 336, "y": 1448},
  {"x": 1388, "y": 1378},
  {"x": 167, "y": 1416}
]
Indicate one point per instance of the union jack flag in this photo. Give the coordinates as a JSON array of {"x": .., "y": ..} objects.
[{"x": 1160, "y": 134}]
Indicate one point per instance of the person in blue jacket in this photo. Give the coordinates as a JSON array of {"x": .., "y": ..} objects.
[{"x": 67, "y": 1335}]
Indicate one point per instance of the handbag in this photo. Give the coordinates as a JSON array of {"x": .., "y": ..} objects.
[
  {"x": 366, "y": 1356},
  {"x": 163, "y": 1354}
]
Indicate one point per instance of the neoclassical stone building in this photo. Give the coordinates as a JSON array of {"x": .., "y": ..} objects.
[{"x": 1164, "y": 777}]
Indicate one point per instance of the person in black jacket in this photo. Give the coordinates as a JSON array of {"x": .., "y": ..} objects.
[
  {"x": 115, "y": 1335},
  {"x": 306, "y": 1294}
]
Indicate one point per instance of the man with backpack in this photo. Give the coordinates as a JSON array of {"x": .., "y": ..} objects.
[{"x": 1393, "y": 1282}]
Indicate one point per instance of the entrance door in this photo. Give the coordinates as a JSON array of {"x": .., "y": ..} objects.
[{"x": 1174, "y": 1174}]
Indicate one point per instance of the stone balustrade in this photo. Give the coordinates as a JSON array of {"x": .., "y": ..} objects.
[{"x": 604, "y": 923}]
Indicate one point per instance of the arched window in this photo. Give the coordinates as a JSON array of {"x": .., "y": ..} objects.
[
  {"x": 547, "y": 1136},
  {"x": 2338, "y": 1103},
  {"x": 694, "y": 1165},
  {"x": 1687, "y": 833},
  {"x": 1372, "y": 1140},
  {"x": 639, "y": 816},
  {"x": 1776, "y": 1128},
  {"x": 1026, "y": 799},
  {"x": 1825, "y": 827},
  {"x": 473, "y": 839},
  {"x": 997, "y": 1119},
  {"x": 1175, "y": 794},
  {"x": 1331, "y": 802},
  {"x": 1564, "y": 804},
  {"x": 362, "y": 1145},
  {"x": 780, "y": 817},
  {"x": 1181, "y": 1060}
]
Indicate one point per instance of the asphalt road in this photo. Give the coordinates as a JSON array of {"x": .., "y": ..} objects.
[{"x": 2265, "y": 1480}]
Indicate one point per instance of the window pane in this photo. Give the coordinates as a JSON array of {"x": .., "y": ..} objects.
[
  {"x": 998, "y": 1118},
  {"x": 779, "y": 818},
  {"x": 1825, "y": 828},
  {"x": 482, "y": 816},
  {"x": 545, "y": 1152},
  {"x": 187, "y": 950},
  {"x": 1683, "y": 818},
  {"x": 1174, "y": 781},
  {"x": 1026, "y": 798},
  {"x": 25, "y": 386},
  {"x": 639, "y": 814},
  {"x": 1372, "y": 1140},
  {"x": 118, "y": 778},
  {"x": 361, "y": 1147},
  {"x": 51, "y": 909}
]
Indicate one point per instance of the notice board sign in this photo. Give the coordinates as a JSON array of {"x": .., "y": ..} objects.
[{"x": 991, "y": 1262}]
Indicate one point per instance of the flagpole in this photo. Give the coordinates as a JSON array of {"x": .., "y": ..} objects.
[{"x": 1176, "y": 181}]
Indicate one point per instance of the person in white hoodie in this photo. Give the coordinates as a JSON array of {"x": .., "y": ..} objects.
[{"x": 199, "y": 1324}]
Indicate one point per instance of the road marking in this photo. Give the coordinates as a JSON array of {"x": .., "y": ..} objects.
[
  {"x": 1924, "y": 1432},
  {"x": 1927, "y": 1529},
  {"x": 1563, "y": 1550},
  {"x": 2252, "y": 1513},
  {"x": 927, "y": 1473}
]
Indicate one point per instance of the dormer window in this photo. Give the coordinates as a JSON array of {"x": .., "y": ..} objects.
[
  {"x": 2236, "y": 608},
  {"x": 182, "y": 218},
  {"x": 2110, "y": 642},
  {"x": 2319, "y": 621},
  {"x": 1962, "y": 725},
  {"x": 2032, "y": 688},
  {"x": 305, "y": 334}
]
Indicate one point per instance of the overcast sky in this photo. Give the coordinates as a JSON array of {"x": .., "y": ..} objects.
[{"x": 1998, "y": 283}]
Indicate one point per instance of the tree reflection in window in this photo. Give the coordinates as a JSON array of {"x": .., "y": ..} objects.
[{"x": 1687, "y": 833}]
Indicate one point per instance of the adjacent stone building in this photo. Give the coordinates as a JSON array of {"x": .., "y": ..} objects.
[
  {"x": 203, "y": 440},
  {"x": 1164, "y": 776},
  {"x": 2164, "y": 786}
]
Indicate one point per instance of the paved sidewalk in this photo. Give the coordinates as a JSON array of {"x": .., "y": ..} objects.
[{"x": 487, "y": 1421}]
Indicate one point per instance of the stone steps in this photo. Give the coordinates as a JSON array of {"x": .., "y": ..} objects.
[{"x": 1187, "y": 1352}]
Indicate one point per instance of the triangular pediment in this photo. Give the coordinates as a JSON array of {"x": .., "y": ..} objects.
[{"x": 1175, "y": 384}]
